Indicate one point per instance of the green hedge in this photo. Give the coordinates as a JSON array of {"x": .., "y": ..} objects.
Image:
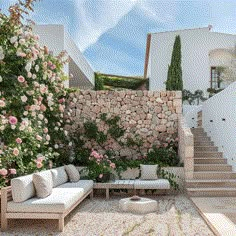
[{"x": 117, "y": 82}]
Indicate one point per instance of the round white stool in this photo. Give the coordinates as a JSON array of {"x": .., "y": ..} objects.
[{"x": 142, "y": 206}]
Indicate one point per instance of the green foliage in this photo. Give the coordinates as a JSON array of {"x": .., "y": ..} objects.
[
  {"x": 115, "y": 130},
  {"x": 91, "y": 129},
  {"x": 174, "y": 75},
  {"x": 99, "y": 84},
  {"x": 213, "y": 91},
  {"x": 171, "y": 177},
  {"x": 193, "y": 98},
  {"x": 121, "y": 82},
  {"x": 162, "y": 156}
]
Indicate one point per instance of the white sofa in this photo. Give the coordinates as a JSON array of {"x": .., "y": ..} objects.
[{"x": 64, "y": 198}]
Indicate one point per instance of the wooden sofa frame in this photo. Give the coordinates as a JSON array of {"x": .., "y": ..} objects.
[{"x": 6, "y": 196}]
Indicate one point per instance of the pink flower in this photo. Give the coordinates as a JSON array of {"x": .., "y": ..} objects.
[
  {"x": 61, "y": 100},
  {"x": 42, "y": 107},
  {"x": 2, "y": 103},
  {"x": 19, "y": 140},
  {"x": 39, "y": 164},
  {"x": 45, "y": 130},
  {"x": 100, "y": 176},
  {"x": 61, "y": 108},
  {"x": 21, "y": 79},
  {"x": 15, "y": 152},
  {"x": 40, "y": 159},
  {"x": 3, "y": 172},
  {"x": 38, "y": 137},
  {"x": 12, "y": 171},
  {"x": 53, "y": 67},
  {"x": 113, "y": 165},
  {"x": 49, "y": 63},
  {"x": 48, "y": 137},
  {"x": 13, "y": 120},
  {"x": 96, "y": 155}
]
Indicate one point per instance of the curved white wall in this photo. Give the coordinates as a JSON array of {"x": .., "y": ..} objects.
[
  {"x": 219, "y": 121},
  {"x": 196, "y": 45}
]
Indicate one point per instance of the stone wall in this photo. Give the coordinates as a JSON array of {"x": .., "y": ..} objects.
[
  {"x": 151, "y": 115},
  {"x": 186, "y": 147}
]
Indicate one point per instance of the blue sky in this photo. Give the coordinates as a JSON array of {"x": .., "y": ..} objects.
[{"x": 112, "y": 33}]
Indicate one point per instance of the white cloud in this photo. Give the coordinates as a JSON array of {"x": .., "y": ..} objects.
[{"x": 97, "y": 17}]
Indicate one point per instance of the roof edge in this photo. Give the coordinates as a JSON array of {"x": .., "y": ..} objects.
[{"x": 148, "y": 44}]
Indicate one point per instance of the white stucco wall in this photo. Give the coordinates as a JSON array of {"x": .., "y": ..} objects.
[
  {"x": 57, "y": 40},
  {"x": 79, "y": 58},
  {"x": 196, "y": 45},
  {"x": 223, "y": 133},
  {"x": 190, "y": 113}
]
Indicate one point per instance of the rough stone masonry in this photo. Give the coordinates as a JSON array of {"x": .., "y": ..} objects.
[{"x": 151, "y": 115}]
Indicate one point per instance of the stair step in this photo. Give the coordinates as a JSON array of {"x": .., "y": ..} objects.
[
  {"x": 211, "y": 160},
  {"x": 197, "y": 129},
  {"x": 208, "y": 154},
  {"x": 201, "y": 138},
  {"x": 212, "y": 192},
  {"x": 205, "y": 148},
  {"x": 210, "y": 183},
  {"x": 199, "y": 132},
  {"x": 213, "y": 175},
  {"x": 204, "y": 143},
  {"x": 212, "y": 167}
]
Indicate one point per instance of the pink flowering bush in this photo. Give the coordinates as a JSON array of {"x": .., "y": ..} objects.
[
  {"x": 99, "y": 165},
  {"x": 32, "y": 99}
]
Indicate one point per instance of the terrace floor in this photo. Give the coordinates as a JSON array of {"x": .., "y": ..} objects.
[
  {"x": 219, "y": 212},
  {"x": 176, "y": 216}
]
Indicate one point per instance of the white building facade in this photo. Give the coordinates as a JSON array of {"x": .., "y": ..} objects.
[
  {"x": 203, "y": 51},
  {"x": 57, "y": 39}
]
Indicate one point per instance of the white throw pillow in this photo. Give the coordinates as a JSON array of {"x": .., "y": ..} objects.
[
  {"x": 43, "y": 183},
  {"x": 149, "y": 172},
  {"x": 73, "y": 173},
  {"x": 22, "y": 188},
  {"x": 59, "y": 176}
]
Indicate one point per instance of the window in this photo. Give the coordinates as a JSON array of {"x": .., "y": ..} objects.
[{"x": 215, "y": 78}]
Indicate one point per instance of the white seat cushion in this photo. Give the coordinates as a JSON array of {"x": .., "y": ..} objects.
[
  {"x": 59, "y": 176},
  {"x": 151, "y": 184},
  {"x": 59, "y": 201},
  {"x": 83, "y": 185},
  {"x": 22, "y": 188}
]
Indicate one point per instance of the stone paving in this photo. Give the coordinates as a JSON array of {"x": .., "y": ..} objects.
[
  {"x": 176, "y": 216},
  {"x": 219, "y": 212}
]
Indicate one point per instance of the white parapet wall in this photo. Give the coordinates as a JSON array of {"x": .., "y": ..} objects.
[
  {"x": 219, "y": 121},
  {"x": 57, "y": 39},
  {"x": 190, "y": 113}
]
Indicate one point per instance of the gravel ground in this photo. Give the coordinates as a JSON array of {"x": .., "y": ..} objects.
[{"x": 176, "y": 216}]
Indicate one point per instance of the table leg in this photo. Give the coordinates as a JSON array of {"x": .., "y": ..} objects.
[{"x": 107, "y": 193}]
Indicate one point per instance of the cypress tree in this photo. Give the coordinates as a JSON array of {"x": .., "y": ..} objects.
[{"x": 174, "y": 76}]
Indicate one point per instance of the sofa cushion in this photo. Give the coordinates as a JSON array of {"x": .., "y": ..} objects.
[
  {"x": 22, "y": 188},
  {"x": 149, "y": 172},
  {"x": 83, "y": 185},
  {"x": 59, "y": 201},
  {"x": 73, "y": 173},
  {"x": 151, "y": 184},
  {"x": 59, "y": 176},
  {"x": 43, "y": 183}
]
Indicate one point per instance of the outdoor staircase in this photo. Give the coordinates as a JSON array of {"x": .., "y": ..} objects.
[{"x": 212, "y": 176}]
